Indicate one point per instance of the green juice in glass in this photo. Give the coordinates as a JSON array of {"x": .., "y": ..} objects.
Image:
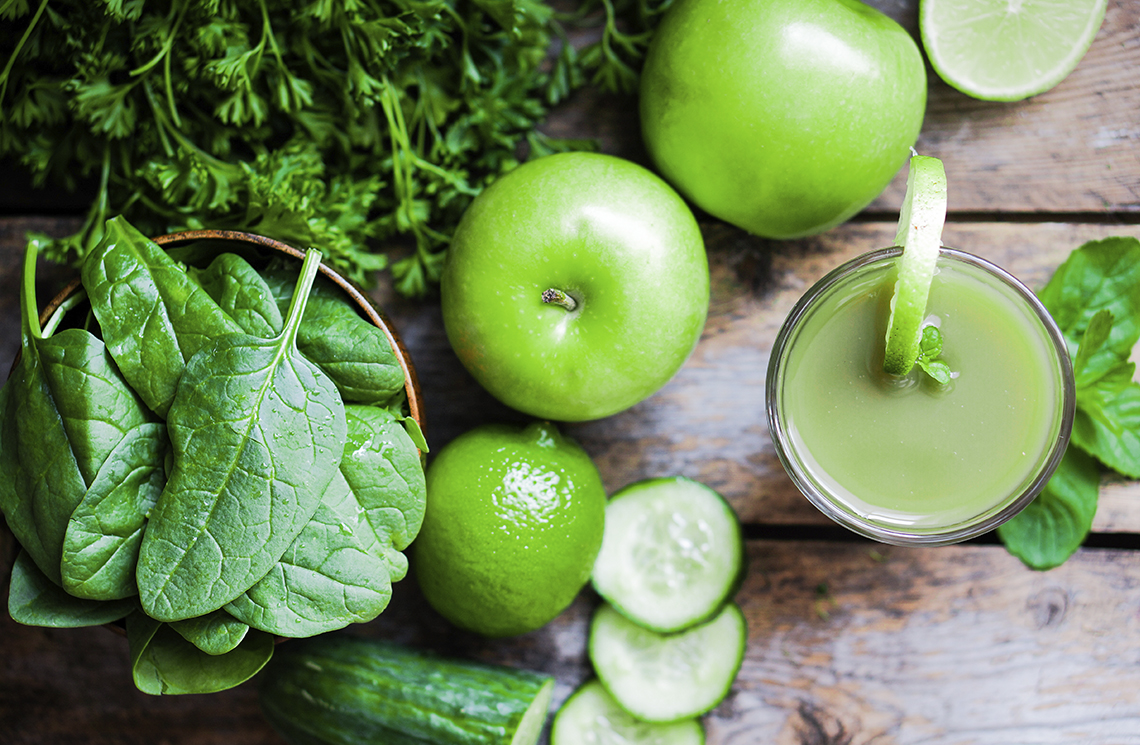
[{"x": 907, "y": 460}]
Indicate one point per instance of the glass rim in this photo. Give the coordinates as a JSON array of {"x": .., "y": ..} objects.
[{"x": 962, "y": 530}]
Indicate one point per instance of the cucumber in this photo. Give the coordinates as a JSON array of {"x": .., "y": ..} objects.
[
  {"x": 591, "y": 717},
  {"x": 667, "y": 677},
  {"x": 340, "y": 689},
  {"x": 672, "y": 553}
]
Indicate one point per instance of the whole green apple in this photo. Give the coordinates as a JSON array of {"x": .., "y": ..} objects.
[
  {"x": 782, "y": 117},
  {"x": 575, "y": 286}
]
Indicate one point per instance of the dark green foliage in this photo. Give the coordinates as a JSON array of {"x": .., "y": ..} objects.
[
  {"x": 242, "y": 293},
  {"x": 35, "y": 600},
  {"x": 353, "y": 352},
  {"x": 257, "y": 508},
  {"x": 351, "y": 127},
  {"x": 257, "y": 431},
  {"x": 153, "y": 315},
  {"x": 165, "y": 662},
  {"x": 101, "y": 545},
  {"x": 1094, "y": 297}
]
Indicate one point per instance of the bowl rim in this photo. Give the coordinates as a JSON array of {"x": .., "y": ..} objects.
[
  {"x": 8, "y": 543},
  {"x": 376, "y": 316}
]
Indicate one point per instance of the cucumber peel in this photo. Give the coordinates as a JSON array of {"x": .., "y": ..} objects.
[
  {"x": 339, "y": 689},
  {"x": 919, "y": 234}
]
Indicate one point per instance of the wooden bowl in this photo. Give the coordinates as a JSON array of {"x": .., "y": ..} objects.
[
  {"x": 239, "y": 240},
  {"x": 358, "y": 297}
]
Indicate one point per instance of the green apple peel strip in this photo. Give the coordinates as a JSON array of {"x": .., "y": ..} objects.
[{"x": 920, "y": 236}]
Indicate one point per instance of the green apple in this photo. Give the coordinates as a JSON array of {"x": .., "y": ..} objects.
[
  {"x": 782, "y": 117},
  {"x": 575, "y": 286}
]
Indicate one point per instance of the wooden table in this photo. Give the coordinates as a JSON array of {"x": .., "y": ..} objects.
[{"x": 850, "y": 642}]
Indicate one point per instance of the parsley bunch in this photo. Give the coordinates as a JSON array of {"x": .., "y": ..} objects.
[
  {"x": 1094, "y": 297},
  {"x": 363, "y": 127}
]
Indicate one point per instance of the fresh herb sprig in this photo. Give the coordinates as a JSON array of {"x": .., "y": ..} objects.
[
  {"x": 364, "y": 128},
  {"x": 1094, "y": 297},
  {"x": 930, "y": 356}
]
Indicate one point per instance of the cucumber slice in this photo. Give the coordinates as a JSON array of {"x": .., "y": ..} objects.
[
  {"x": 920, "y": 235},
  {"x": 667, "y": 677},
  {"x": 672, "y": 553},
  {"x": 591, "y": 717}
]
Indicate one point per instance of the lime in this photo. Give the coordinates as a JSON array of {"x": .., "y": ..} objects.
[
  {"x": 1007, "y": 50},
  {"x": 513, "y": 523},
  {"x": 920, "y": 235}
]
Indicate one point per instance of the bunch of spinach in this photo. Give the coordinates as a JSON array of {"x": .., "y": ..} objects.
[
  {"x": 217, "y": 455},
  {"x": 1094, "y": 297},
  {"x": 363, "y": 127}
]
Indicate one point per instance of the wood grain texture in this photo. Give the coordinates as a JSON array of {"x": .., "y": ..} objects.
[
  {"x": 853, "y": 644},
  {"x": 1075, "y": 148},
  {"x": 849, "y": 643},
  {"x": 708, "y": 423}
]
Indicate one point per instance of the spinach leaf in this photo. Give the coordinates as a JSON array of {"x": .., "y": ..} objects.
[
  {"x": 214, "y": 633},
  {"x": 101, "y": 545},
  {"x": 384, "y": 471},
  {"x": 96, "y": 405},
  {"x": 1054, "y": 525},
  {"x": 257, "y": 432},
  {"x": 34, "y": 600},
  {"x": 327, "y": 579},
  {"x": 67, "y": 408},
  {"x": 164, "y": 663},
  {"x": 339, "y": 569},
  {"x": 352, "y": 351},
  {"x": 154, "y": 317},
  {"x": 242, "y": 293}
]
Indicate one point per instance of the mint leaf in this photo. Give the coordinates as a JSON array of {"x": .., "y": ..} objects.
[
  {"x": 937, "y": 369},
  {"x": 930, "y": 345},
  {"x": 1111, "y": 431},
  {"x": 929, "y": 349},
  {"x": 1092, "y": 341},
  {"x": 1054, "y": 525},
  {"x": 1100, "y": 275}
]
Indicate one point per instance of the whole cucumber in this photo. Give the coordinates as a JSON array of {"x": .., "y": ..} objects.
[{"x": 341, "y": 689}]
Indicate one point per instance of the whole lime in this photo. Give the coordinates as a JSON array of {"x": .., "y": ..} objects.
[{"x": 514, "y": 521}]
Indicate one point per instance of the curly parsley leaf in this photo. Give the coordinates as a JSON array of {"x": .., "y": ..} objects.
[{"x": 364, "y": 128}]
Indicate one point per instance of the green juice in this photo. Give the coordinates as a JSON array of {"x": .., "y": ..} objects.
[{"x": 907, "y": 455}]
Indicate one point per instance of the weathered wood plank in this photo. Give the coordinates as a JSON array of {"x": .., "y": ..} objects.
[
  {"x": 708, "y": 423},
  {"x": 1071, "y": 149},
  {"x": 849, "y": 643},
  {"x": 852, "y": 644}
]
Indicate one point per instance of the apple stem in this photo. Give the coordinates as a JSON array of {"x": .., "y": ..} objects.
[{"x": 558, "y": 297}]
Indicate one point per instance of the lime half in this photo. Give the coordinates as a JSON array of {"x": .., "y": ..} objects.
[
  {"x": 920, "y": 235},
  {"x": 1007, "y": 50}
]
